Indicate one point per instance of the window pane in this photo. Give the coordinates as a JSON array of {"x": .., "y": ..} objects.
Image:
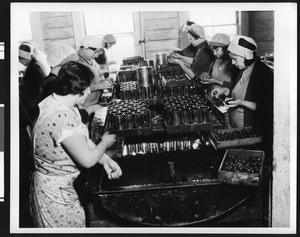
[
  {"x": 209, "y": 32},
  {"x": 96, "y": 24},
  {"x": 212, "y": 21},
  {"x": 23, "y": 21},
  {"x": 118, "y": 23},
  {"x": 121, "y": 22},
  {"x": 230, "y": 30},
  {"x": 124, "y": 48},
  {"x": 221, "y": 18},
  {"x": 103, "y": 23},
  {"x": 202, "y": 18}
]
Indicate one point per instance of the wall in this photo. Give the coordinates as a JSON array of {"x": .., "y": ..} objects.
[
  {"x": 261, "y": 29},
  {"x": 57, "y": 27},
  {"x": 161, "y": 32}
]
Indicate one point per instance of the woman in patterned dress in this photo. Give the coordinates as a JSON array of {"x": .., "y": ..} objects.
[{"x": 61, "y": 147}]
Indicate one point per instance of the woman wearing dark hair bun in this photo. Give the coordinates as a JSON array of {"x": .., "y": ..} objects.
[
  {"x": 204, "y": 57},
  {"x": 61, "y": 146},
  {"x": 188, "y": 49}
]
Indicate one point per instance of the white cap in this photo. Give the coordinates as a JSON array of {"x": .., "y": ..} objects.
[
  {"x": 92, "y": 41},
  {"x": 60, "y": 54},
  {"x": 243, "y": 46},
  {"x": 198, "y": 30},
  {"x": 32, "y": 47},
  {"x": 109, "y": 38},
  {"x": 220, "y": 40}
]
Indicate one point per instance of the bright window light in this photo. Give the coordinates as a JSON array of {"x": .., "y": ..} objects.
[{"x": 103, "y": 23}]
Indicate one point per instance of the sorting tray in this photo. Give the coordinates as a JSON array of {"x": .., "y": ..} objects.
[
  {"x": 193, "y": 127},
  {"x": 234, "y": 137},
  {"x": 175, "y": 83},
  {"x": 144, "y": 131},
  {"x": 185, "y": 128},
  {"x": 241, "y": 167}
]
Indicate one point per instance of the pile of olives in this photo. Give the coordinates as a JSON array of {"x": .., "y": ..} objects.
[
  {"x": 174, "y": 77},
  {"x": 236, "y": 134},
  {"x": 242, "y": 163}
]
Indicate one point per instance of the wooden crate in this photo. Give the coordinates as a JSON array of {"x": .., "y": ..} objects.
[
  {"x": 221, "y": 144},
  {"x": 241, "y": 167}
]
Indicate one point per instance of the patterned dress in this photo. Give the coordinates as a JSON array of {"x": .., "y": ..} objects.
[{"x": 53, "y": 199}]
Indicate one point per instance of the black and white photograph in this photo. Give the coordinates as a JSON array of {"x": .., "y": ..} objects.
[{"x": 153, "y": 118}]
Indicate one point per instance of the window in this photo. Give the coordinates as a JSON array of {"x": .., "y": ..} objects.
[
  {"x": 104, "y": 23},
  {"x": 216, "y": 22},
  {"x": 23, "y": 22}
]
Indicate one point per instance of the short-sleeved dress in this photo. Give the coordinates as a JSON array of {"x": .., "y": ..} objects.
[{"x": 53, "y": 199}]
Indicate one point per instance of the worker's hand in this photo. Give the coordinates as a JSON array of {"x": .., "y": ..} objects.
[
  {"x": 111, "y": 79},
  {"x": 176, "y": 55},
  {"x": 92, "y": 108},
  {"x": 233, "y": 103},
  {"x": 108, "y": 139},
  {"x": 204, "y": 76},
  {"x": 111, "y": 167},
  {"x": 218, "y": 91},
  {"x": 208, "y": 81},
  {"x": 107, "y": 83},
  {"x": 174, "y": 60},
  {"x": 111, "y": 62}
]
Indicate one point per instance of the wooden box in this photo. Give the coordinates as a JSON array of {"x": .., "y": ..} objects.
[
  {"x": 241, "y": 167},
  {"x": 235, "y": 137}
]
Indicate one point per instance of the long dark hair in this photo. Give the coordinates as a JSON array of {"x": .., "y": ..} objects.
[
  {"x": 73, "y": 78},
  {"x": 225, "y": 52}
]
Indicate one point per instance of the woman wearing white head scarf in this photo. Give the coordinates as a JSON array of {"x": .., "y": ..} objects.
[
  {"x": 251, "y": 96},
  {"x": 109, "y": 40},
  {"x": 194, "y": 67},
  {"x": 29, "y": 86},
  {"x": 188, "y": 50},
  {"x": 91, "y": 47}
]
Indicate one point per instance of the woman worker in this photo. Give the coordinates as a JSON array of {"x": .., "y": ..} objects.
[
  {"x": 29, "y": 87},
  {"x": 61, "y": 146},
  {"x": 189, "y": 50},
  {"x": 222, "y": 69},
  {"x": 251, "y": 96},
  {"x": 91, "y": 47},
  {"x": 194, "y": 67},
  {"x": 29, "y": 54},
  {"x": 109, "y": 40}
]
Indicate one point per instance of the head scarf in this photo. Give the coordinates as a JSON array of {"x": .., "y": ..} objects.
[
  {"x": 27, "y": 54},
  {"x": 197, "y": 31},
  {"x": 60, "y": 54},
  {"x": 92, "y": 41},
  {"x": 220, "y": 40},
  {"x": 109, "y": 38},
  {"x": 243, "y": 46}
]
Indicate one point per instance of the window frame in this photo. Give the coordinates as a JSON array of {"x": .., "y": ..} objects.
[{"x": 238, "y": 17}]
